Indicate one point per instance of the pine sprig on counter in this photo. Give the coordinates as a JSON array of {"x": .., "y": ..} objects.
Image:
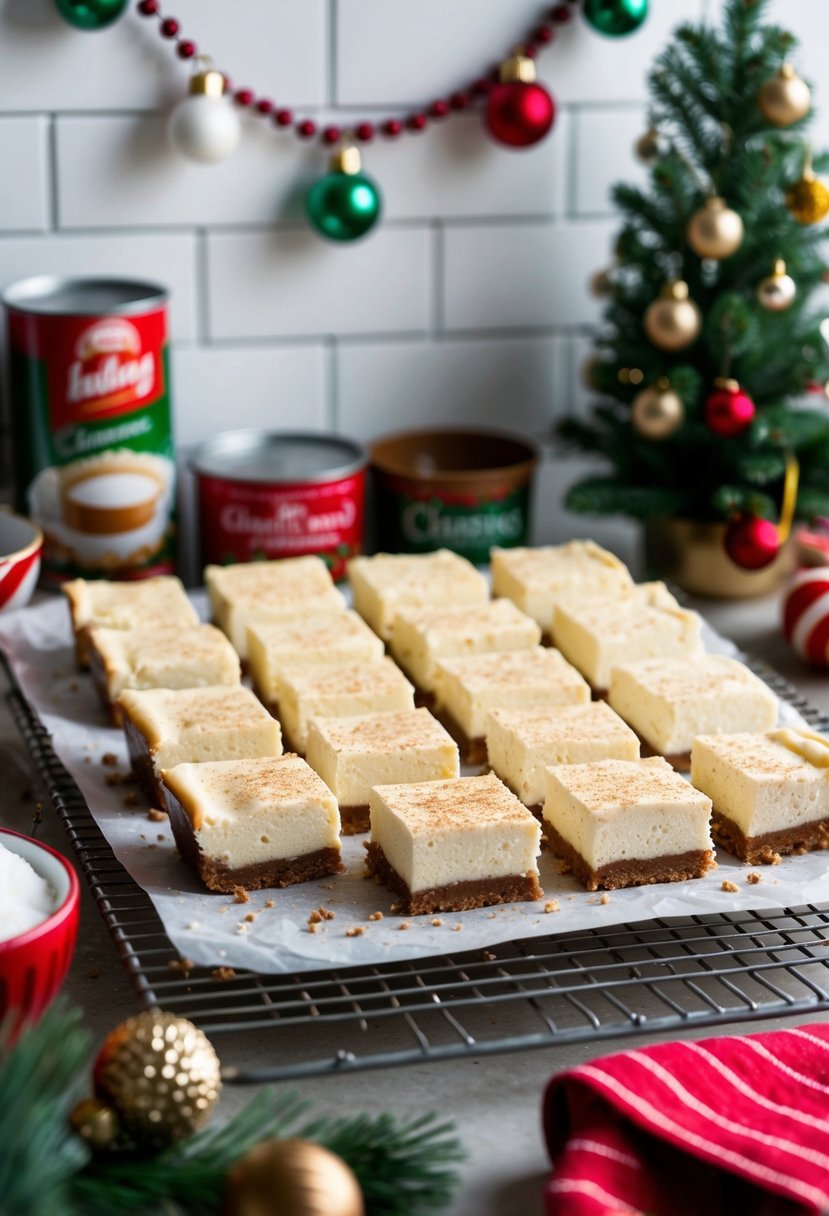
[{"x": 405, "y": 1165}]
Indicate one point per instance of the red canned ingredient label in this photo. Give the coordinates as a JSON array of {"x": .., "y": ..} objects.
[
  {"x": 244, "y": 521},
  {"x": 93, "y": 447}
]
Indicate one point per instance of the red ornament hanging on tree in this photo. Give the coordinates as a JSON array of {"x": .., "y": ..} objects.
[
  {"x": 752, "y": 543},
  {"x": 519, "y": 111},
  {"x": 729, "y": 410}
]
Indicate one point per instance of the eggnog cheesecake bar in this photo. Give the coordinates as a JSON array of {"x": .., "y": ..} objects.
[
  {"x": 535, "y": 579},
  {"x": 291, "y": 587},
  {"x": 159, "y": 658},
  {"x": 447, "y": 846},
  {"x": 131, "y": 605},
  {"x": 625, "y": 823},
  {"x": 770, "y": 791},
  {"x": 423, "y": 636},
  {"x": 315, "y": 637},
  {"x": 669, "y": 701},
  {"x": 268, "y": 822},
  {"x": 165, "y": 727},
  {"x": 337, "y": 690},
  {"x": 598, "y": 633},
  {"x": 467, "y": 687},
  {"x": 522, "y": 743},
  {"x": 387, "y": 582},
  {"x": 354, "y": 754}
]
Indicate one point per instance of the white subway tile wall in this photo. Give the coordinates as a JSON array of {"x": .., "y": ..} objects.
[{"x": 469, "y": 304}]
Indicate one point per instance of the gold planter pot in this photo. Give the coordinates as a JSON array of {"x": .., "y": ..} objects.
[{"x": 692, "y": 555}]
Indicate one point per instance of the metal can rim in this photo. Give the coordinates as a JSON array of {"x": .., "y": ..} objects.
[
  {"x": 252, "y": 439},
  {"x": 23, "y": 294}
]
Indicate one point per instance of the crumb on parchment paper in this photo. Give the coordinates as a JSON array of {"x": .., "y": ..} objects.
[
  {"x": 223, "y": 973},
  {"x": 156, "y": 815},
  {"x": 376, "y": 916},
  {"x": 437, "y": 922},
  {"x": 270, "y": 903},
  {"x": 109, "y": 759},
  {"x": 552, "y": 905},
  {"x": 183, "y": 965},
  {"x": 754, "y": 877},
  {"x": 355, "y": 931},
  {"x": 728, "y": 885},
  {"x": 404, "y": 924},
  {"x": 240, "y": 895}
]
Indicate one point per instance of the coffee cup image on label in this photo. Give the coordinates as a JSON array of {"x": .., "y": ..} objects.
[{"x": 110, "y": 510}]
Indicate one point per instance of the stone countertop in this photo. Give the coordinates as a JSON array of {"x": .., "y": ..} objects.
[{"x": 495, "y": 1100}]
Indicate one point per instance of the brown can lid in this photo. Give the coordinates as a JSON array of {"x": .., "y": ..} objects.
[{"x": 460, "y": 457}]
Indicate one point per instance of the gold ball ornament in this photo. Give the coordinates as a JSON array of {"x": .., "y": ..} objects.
[
  {"x": 95, "y": 1122},
  {"x": 161, "y": 1075},
  {"x": 657, "y": 411},
  {"x": 715, "y": 231},
  {"x": 601, "y": 284},
  {"x": 647, "y": 147},
  {"x": 292, "y": 1178},
  {"x": 785, "y": 98},
  {"x": 672, "y": 321},
  {"x": 776, "y": 293},
  {"x": 808, "y": 199}
]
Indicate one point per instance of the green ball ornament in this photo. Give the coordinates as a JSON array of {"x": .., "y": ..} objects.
[
  {"x": 345, "y": 204},
  {"x": 615, "y": 18},
  {"x": 90, "y": 14}
]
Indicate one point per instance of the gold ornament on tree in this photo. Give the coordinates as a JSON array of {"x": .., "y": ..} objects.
[
  {"x": 160, "y": 1075},
  {"x": 96, "y": 1123},
  {"x": 785, "y": 98},
  {"x": 808, "y": 198},
  {"x": 648, "y": 146},
  {"x": 657, "y": 411},
  {"x": 292, "y": 1178},
  {"x": 672, "y": 321},
  {"x": 777, "y": 292},
  {"x": 601, "y": 284},
  {"x": 715, "y": 231}
]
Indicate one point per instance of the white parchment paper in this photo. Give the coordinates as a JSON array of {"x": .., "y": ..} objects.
[{"x": 212, "y": 930}]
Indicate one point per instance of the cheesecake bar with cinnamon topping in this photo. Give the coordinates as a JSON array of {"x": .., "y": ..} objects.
[
  {"x": 770, "y": 791},
  {"x": 447, "y": 846},
  {"x": 384, "y": 584},
  {"x": 160, "y": 601}
]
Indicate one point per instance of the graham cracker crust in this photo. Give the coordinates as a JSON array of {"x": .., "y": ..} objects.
[
  {"x": 457, "y": 896},
  {"x": 676, "y": 867},
  {"x": 142, "y": 761},
  {"x": 422, "y": 698},
  {"x": 472, "y": 751},
  {"x": 271, "y": 872},
  {"x": 681, "y": 761},
  {"x": 768, "y": 848},
  {"x": 355, "y": 819}
]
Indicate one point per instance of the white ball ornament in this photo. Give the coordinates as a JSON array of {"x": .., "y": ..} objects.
[{"x": 205, "y": 127}]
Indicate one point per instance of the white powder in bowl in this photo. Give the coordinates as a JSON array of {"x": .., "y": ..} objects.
[{"x": 25, "y": 898}]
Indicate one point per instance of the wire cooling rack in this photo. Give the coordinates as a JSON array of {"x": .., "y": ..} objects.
[{"x": 653, "y": 975}]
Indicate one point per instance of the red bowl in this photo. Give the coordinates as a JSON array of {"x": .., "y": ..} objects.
[
  {"x": 21, "y": 543},
  {"x": 33, "y": 964}
]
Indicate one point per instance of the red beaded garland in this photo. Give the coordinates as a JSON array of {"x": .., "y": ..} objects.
[
  {"x": 751, "y": 542},
  {"x": 440, "y": 108}
]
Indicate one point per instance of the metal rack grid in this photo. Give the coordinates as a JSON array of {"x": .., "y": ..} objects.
[{"x": 653, "y": 975}]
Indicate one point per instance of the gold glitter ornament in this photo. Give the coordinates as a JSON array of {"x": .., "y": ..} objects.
[
  {"x": 160, "y": 1074},
  {"x": 657, "y": 411},
  {"x": 95, "y": 1122},
  {"x": 647, "y": 146},
  {"x": 776, "y": 293},
  {"x": 808, "y": 199},
  {"x": 785, "y": 98},
  {"x": 292, "y": 1178},
  {"x": 672, "y": 321},
  {"x": 715, "y": 231},
  {"x": 601, "y": 284}
]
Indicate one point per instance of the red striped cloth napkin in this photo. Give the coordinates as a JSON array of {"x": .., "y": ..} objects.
[{"x": 735, "y": 1126}]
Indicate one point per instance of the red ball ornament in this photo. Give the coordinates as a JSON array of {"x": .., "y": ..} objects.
[
  {"x": 729, "y": 411},
  {"x": 806, "y": 615},
  {"x": 751, "y": 543},
  {"x": 519, "y": 111}
]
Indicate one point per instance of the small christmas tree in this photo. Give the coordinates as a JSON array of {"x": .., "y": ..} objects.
[{"x": 711, "y": 326}]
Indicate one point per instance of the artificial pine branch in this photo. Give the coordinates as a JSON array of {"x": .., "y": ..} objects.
[{"x": 406, "y": 1166}]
